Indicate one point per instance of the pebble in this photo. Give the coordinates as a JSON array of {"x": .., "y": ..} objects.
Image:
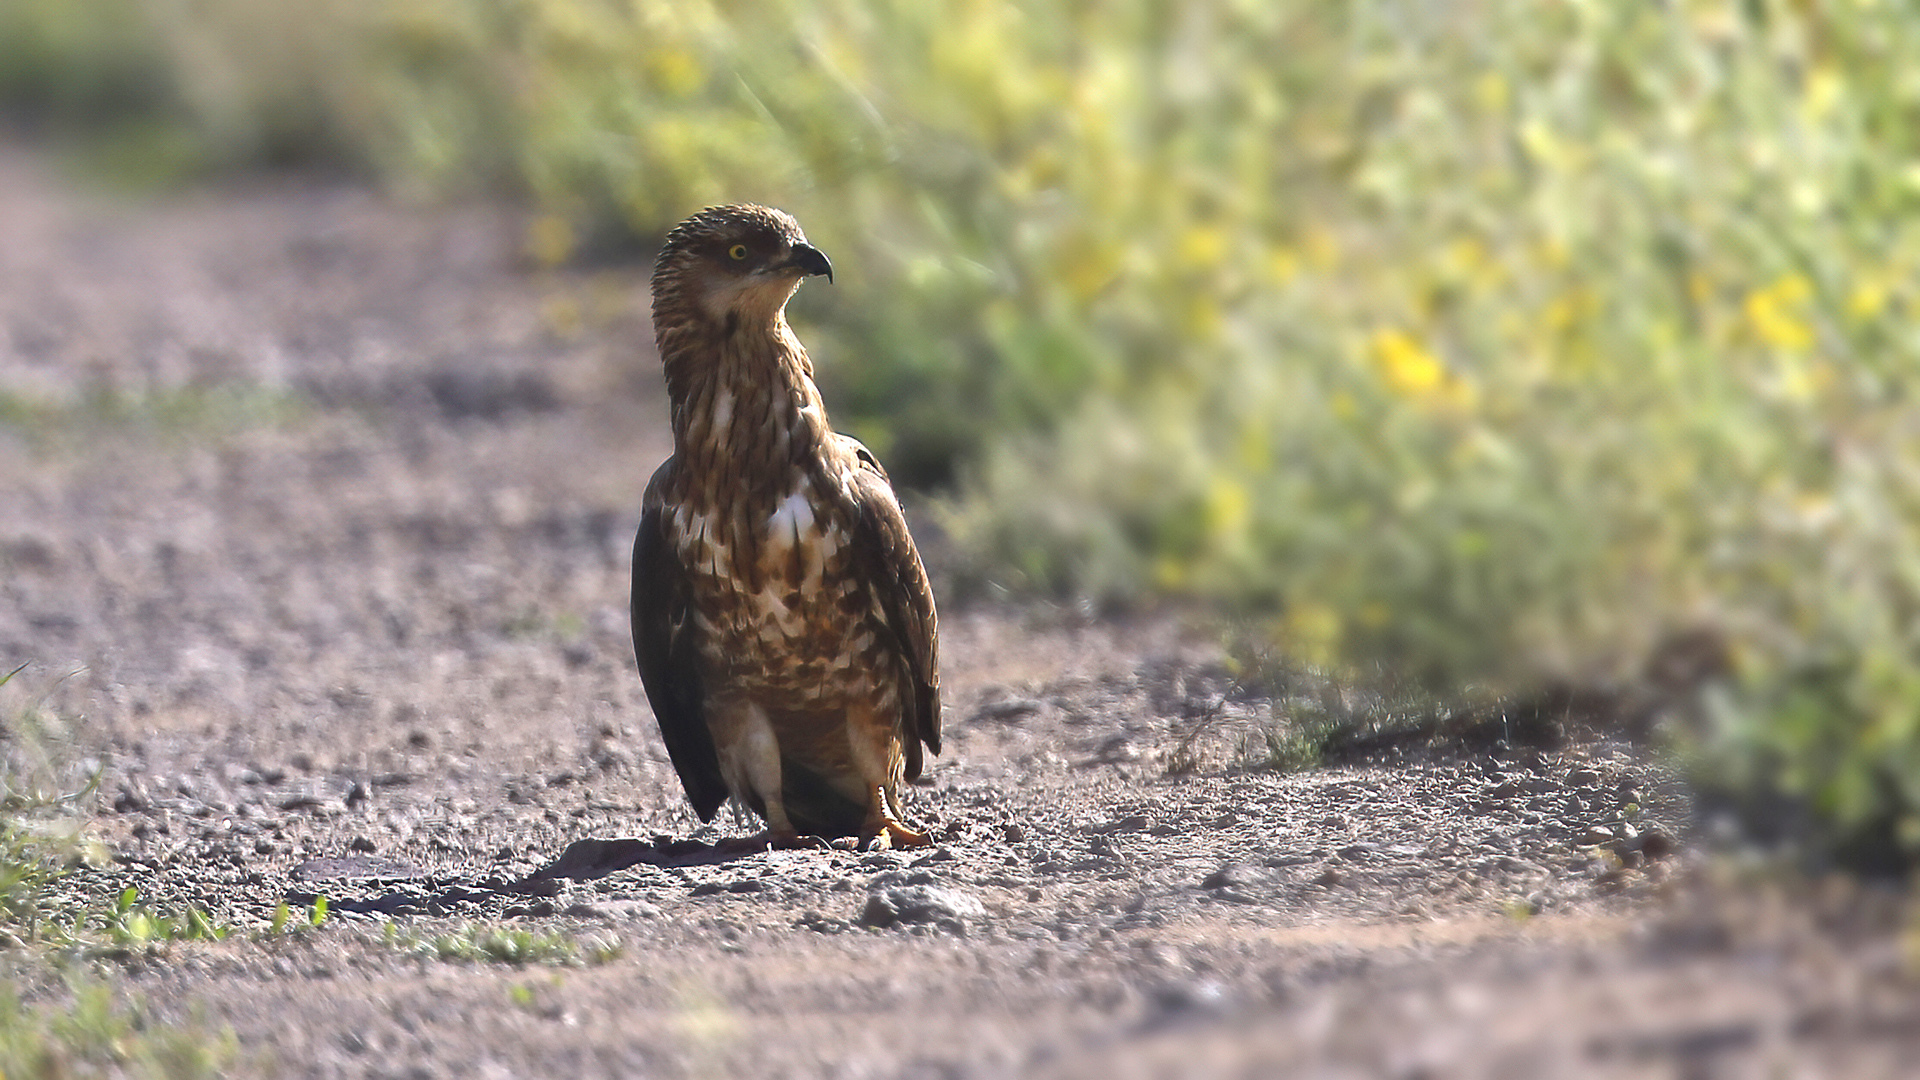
[
  {"x": 1231, "y": 876},
  {"x": 1655, "y": 843},
  {"x": 897, "y": 905}
]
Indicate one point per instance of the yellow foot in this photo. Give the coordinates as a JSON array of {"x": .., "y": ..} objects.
[
  {"x": 895, "y": 835},
  {"x": 884, "y": 829}
]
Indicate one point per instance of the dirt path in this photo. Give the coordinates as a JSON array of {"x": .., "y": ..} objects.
[{"x": 332, "y": 498}]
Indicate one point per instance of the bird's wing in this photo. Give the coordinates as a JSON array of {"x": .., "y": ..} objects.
[
  {"x": 891, "y": 565},
  {"x": 665, "y": 642}
]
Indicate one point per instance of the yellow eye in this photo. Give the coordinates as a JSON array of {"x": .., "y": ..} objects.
[{"x": 737, "y": 252}]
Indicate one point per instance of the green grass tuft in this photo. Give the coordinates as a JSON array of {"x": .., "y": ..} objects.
[
  {"x": 180, "y": 416},
  {"x": 507, "y": 945},
  {"x": 87, "y": 1029}
]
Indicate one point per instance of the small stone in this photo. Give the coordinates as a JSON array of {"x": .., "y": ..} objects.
[
  {"x": 1656, "y": 843},
  {"x": 1583, "y": 778},
  {"x": 897, "y": 905},
  {"x": 1231, "y": 876},
  {"x": 1178, "y": 998},
  {"x": 629, "y": 909},
  {"x": 1006, "y": 711}
]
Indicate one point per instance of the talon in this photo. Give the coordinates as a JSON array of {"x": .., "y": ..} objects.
[
  {"x": 898, "y": 835},
  {"x": 885, "y": 830}
]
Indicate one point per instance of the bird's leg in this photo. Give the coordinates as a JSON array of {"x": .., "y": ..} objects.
[
  {"x": 778, "y": 834},
  {"x": 885, "y": 828},
  {"x": 750, "y": 753}
]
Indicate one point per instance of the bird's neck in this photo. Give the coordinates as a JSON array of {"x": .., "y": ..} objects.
[{"x": 743, "y": 402}]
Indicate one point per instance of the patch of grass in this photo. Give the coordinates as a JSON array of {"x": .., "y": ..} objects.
[
  {"x": 171, "y": 417},
  {"x": 131, "y": 926},
  {"x": 511, "y": 946},
  {"x": 45, "y": 803},
  {"x": 87, "y": 1030},
  {"x": 284, "y": 921},
  {"x": 1298, "y": 739},
  {"x": 85, "y": 1027}
]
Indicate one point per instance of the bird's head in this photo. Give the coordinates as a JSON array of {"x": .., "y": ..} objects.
[{"x": 734, "y": 265}]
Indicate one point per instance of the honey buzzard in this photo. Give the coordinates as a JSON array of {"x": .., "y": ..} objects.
[{"x": 781, "y": 616}]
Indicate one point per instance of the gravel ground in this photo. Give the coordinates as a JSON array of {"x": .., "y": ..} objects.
[{"x": 329, "y": 501}]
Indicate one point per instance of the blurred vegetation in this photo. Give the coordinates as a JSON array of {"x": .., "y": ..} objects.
[
  {"x": 89, "y": 1030},
  {"x": 75, "y": 1024},
  {"x": 475, "y": 943},
  {"x": 174, "y": 416},
  {"x": 1492, "y": 344}
]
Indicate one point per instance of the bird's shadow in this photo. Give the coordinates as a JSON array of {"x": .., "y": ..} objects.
[{"x": 394, "y": 887}]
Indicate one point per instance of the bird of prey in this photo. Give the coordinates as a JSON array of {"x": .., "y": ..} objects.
[{"x": 782, "y": 618}]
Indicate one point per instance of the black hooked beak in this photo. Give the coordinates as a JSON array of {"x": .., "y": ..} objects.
[{"x": 811, "y": 260}]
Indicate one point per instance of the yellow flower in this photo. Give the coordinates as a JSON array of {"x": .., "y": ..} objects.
[
  {"x": 1201, "y": 246},
  {"x": 676, "y": 72},
  {"x": 1492, "y": 90},
  {"x": 1824, "y": 87},
  {"x": 1565, "y": 311},
  {"x": 1868, "y": 298},
  {"x": 1283, "y": 265},
  {"x": 1778, "y": 313},
  {"x": 1411, "y": 371},
  {"x": 1228, "y": 508},
  {"x": 1407, "y": 367}
]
